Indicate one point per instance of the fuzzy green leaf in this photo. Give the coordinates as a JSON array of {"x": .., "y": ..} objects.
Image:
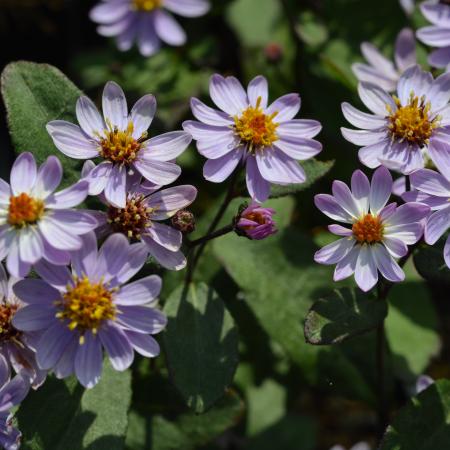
[{"x": 429, "y": 262}]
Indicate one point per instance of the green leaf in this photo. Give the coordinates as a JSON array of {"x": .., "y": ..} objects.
[
  {"x": 314, "y": 171},
  {"x": 424, "y": 423},
  {"x": 62, "y": 415},
  {"x": 201, "y": 344},
  {"x": 35, "y": 94},
  {"x": 429, "y": 262},
  {"x": 344, "y": 314},
  {"x": 411, "y": 329}
]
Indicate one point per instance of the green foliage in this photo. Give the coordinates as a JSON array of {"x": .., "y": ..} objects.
[
  {"x": 201, "y": 345},
  {"x": 429, "y": 262},
  {"x": 424, "y": 423},
  {"x": 35, "y": 94},
  {"x": 62, "y": 415},
  {"x": 346, "y": 313}
]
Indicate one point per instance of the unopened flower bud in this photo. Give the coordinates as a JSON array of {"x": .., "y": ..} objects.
[
  {"x": 255, "y": 222},
  {"x": 184, "y": 221},
  {"x": 273, "y": 52}
]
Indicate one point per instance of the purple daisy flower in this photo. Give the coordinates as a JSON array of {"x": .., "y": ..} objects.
[
  {"x": 433, "y": 189},
  {"x": 438, "y": 34},
  {"x": 12, "y": 392},
  {"x": 403, "y": 128},
  {"x": 120, "y": 139},
  {"x": 35, "y": 222},
  {"x": 80, "y": 313},
  {"x": 16, "y": 346},
  {"x": 265, "y": 138},
  {"x": 256, "y": 222},
  {"x": 145, "y": 22},
  {"x": 379, "y": 232},
  {"x": 380, "y": 70}
]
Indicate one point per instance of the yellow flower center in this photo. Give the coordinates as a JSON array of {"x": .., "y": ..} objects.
[
  {"x": 412, "y": 122},
  {"x": 24, "y": 210},
  {"x": 146, "y": 5},
  {"x": 86, "y": 305},
  {"x": 7, "y": 331},
  {"x": 120, "y": 146},
  {"x": 131, "y": 220},
  {"x": 368, "y": 229},
  {"x": 255, "y": 127}
]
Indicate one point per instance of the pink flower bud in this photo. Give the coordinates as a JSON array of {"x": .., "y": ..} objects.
[{"x": 256, "y": 222}]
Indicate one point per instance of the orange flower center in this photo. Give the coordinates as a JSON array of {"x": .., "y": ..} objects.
[
  {"x": 256, "y": 217},
  {"x": 255, "y": 127},
  {"x": 146, "y": 5},
  {"x": 412, "y": 122},
  {"x": 131, "y": 220},
  {"x": 7, "y": 331},
  {"x": 24, "y": 210},
  {"x": 368, "y": 229},
  {"x": 120, "y": 146},
  {"x": 86, "y": 305}
]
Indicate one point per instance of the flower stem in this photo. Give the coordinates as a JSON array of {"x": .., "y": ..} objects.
[
  {"x": 213, "y": 235},
  {"x": 383, "y": 407}
]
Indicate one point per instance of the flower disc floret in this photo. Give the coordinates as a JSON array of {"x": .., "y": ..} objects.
[
  {"x": 86, "y": 305},
  {"x": 256, "y": 128},
  {"x": 146, "y": 5},
  {"x": 24, "y": 210},
  {"x": 368, "y": 229},
  {"x": 412, "y": 122}
]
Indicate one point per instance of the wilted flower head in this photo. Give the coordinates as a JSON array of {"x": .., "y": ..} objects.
[
  {"x": 12, "y": 392},
  {"x": 256, "y": 222},
  {"x": 437, "y": 34},
  {"x": 404, "y": 127},
  {"x": 92, "y": 308},
  {"x": 380, "y": 70},
  {"x": 15, "y": 345},
  {"x": 379, "y": 233},
  {"x": 433, "y": 189},
  {"x": 37, "y": 223},
  {"x": 183, "y": 221},
  {"x": 145, "y": 21},
  {"x": 247, "y": 130}
]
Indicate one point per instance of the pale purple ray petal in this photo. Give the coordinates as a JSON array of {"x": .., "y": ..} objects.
[
  {"x": 258, "y": 187},
  {"x": 395, "y": 247},
  {"x": 109, "y": 12},
  {"x": 209, "y": 115},
  {"x": 112, "y": 256},
  {"x": 12, "y": 394},
  {"x": 330, "y": 207},
  {"x": 439, "y": 58},
  {"x": 117, "y": 346},
  {"x": 437, "y": 224},
  {"x": 387, "y": 211},
  {"x": 218, "y": 145},
  {"x": 409, "y": 213},
  {"x": 304, "y": 128},
  {"x": 370, "y": 155},
  {"x": 346, "y": 200},
  {"x": 141, "y": 319},
  {"x": 402, "y": 158},
  {"x": 413, "y": 80},
  {"x": 439, "y": 93},
  {"x": 378, "y": 60},
  {"x": 286, "y": 107},
  {"x": 218, "y": 170},
  {"x": 74, "y": 221},
  {"x": 361, "y": 190},
  {"x": 137, "y": 256},
  {"x": 440, "y": 154},
  {"x": 376, "y": 99},
  {"x": 69, "y": 197},
  {"x": 65, "y": 366},
  {"x": 366, "y": 274},
  {"x": 52, "y": 345},
  {"x": 334, "y": 252},
  {"x": 116, "y": 186},
  {"x": 438, "y": 14},
  {"x": 165, "y": 147},
  {"x": 168, "y": 259},
  {"x": 118, "y": 27},
  {"x": 3, "y": 284},
  {"x": 84, "y": 260},
  {"x": 142, "y": 115},
  {"x": 258, "y": 89},
  {"x": 158, "y": 172},
  {"x": 362, "y": 120},
  {"x": 363, "y": 137},
  {"x": 57, "y": 276},
  {"x": 60, "y": 237},
  {"x": 143, "y": 291},
  {"x": 35, "y": 291},
  {"x": 430, "y": 182},
  {"x": 35, "y": 317},
  {"x": 168, "y": 29},
  {"x": 168, "y": 201},
  {"x": 339, "y": 230},
  {"x": 90, "y": 120},
  {"x": 447, "y": 252},
  {"x": 433, "y": 202},
  {"x": 373, "y": 75},
  {"x": 30, "y": 245},
  {"x": 434, "y": 36},
  {"x": 380, "y": 190},
  {"x": 228, "y": 94},
  {"x": 276, "y": 167},
  {"x": 15, "y": 265},
  {"x": 346, "y": 266},
  {"x": 5, "y": 192},
  {"x": 409, "y": 233},
  {"x": 7, "y": 235},
  {"x": 126, "y": 38},
  {"x": 166, "y": 236},
  {"x": 98, "y": 177},
  {"x": 148, "y": 41},
  {"x": 188, "y": 8},
  {"x": 48, "y": 178},
  {"x": 89, "y": 361},
  {"x": 115, "y": 109},
  {"x": 405, "y": 49},
  {"x": 71, "y": 140},
  {"x": 23, "y": 173},
  {"x": 386, "y": 264},
  {"x": 143, "y": 344},
  {"x": 5, "y": 371},
  {"x": 202, "y": 131},
  {"x": 298, "y": 148}
]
